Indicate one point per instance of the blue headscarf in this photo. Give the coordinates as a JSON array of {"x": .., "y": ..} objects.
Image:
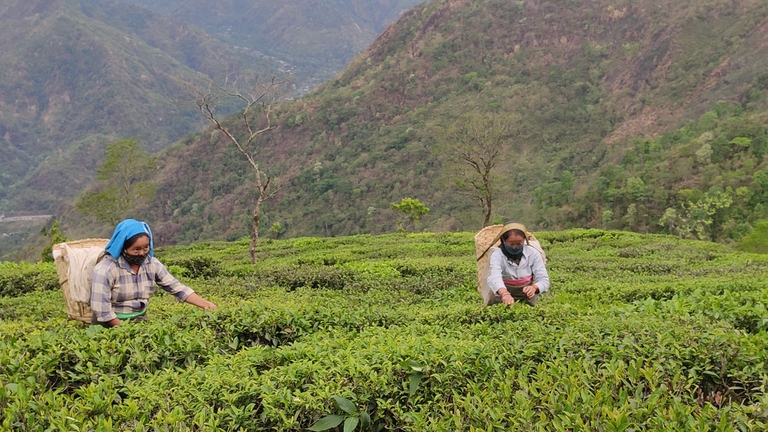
[{"x": 125, "y": 230}]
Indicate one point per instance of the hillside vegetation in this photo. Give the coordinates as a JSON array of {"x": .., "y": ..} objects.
[
  {"x": 636, "y": 115},
  {"x": 639, "y": 332},
  {"x": 318, "y": 37},
  {"x": 78, "y": 73}
]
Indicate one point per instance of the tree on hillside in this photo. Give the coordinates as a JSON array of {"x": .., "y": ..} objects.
[
  {"x": 696, "y": 217},
  {"x": 56, "y": 237},
  {"x": 276, "y": 229},
  {"x": 757, "y": 240},
  {"x": 120, "y": 183},
  {"x": 475, "y": 145},
  {"x": 258, "y": 98},
  {"x": 412, "y": 210}
]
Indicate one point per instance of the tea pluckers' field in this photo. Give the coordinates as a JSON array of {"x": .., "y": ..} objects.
[{"x": 639, "y": 332}]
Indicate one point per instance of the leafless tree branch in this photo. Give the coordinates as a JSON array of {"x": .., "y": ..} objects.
[{"x": 258, "y": 98}]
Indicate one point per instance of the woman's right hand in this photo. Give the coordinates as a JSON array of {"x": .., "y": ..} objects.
[
  {"x": 200, "y": 302},
  {"x": 209, "y": 306},
  {"x": 507, "y": 298}
]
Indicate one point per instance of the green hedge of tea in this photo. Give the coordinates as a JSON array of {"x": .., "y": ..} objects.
[
  {"x": 20, "y": 278},
  {"x": 637, "y": 333}
]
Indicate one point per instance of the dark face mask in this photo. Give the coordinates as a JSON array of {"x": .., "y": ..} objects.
[
  {"x": 512, "y": 252},
  {"x": 134, "y": 259}
]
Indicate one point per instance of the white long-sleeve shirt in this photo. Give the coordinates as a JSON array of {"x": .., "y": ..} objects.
[{"x": 531, "y": 264}]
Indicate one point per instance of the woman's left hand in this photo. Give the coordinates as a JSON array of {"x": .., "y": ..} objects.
[{"x": 529, "y": 290}]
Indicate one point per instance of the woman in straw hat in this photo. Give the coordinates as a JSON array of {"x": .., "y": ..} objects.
[
  {"x": 517, "y": 270},
  {"x": 127, "y": 276}
]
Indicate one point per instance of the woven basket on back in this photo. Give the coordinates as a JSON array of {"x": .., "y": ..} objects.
[
  {"x": 486, "y": 241},
  {"x": 75, "y": 310}
]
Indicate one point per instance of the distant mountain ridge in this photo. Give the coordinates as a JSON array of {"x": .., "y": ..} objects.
[
  {"x": 75, "y": 70},
  {"x": 319, "y": 36},
  {"x": 92, "y": 70}
]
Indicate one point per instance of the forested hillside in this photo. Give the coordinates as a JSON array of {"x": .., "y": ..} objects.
[
  {"x": 640, "y": 115},
  {"x": 320, "y": 37},
  {"x": 76, "y": 74}
]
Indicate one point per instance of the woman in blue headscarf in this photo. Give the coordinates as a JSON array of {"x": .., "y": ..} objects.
[{"x": 127, "y": 276}]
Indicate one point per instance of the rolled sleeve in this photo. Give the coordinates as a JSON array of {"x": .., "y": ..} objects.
[
  {"x": 101, "y": 292},
  {"x": 540, "y": 275},
  {"x": 170, "y": 284},
  {"x": 495, "y": 279}
]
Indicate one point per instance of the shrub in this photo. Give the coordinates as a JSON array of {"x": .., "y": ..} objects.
[
  {"x": 17, "y": 279},
  {"x": 310, "y": 276},
  {"x": 757, "y": 240},
  {"x": 199, "y": 266}
]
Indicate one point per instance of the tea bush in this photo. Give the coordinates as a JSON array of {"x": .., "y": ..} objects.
[
  {"x": 637, "y": 333},
  {"x": 17, "y": 279},
  {"x": 195, "y": 266}
]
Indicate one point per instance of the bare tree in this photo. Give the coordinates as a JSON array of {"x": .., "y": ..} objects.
[
  {"x": 476, "y": 145},
  {"x": 259, "y": 98}
]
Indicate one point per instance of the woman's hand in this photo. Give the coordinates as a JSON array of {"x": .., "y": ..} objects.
[
  {"x": 200, "y": 302},
  {"x": 530, "y": 290},
  {"x": 507, "y": 298},
  {"x": 208, "y": 305}
]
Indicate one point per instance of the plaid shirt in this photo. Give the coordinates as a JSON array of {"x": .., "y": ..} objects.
[{"x": 115, "y": 288}]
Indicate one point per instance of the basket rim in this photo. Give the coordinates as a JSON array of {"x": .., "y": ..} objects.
[{"x": 86, "y": 242}]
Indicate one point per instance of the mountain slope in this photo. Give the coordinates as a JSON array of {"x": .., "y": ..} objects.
[
  {"x": 585, "y": 82},
  {"x": 73, "y": 69},
  {"x": 318, "y": 36}
]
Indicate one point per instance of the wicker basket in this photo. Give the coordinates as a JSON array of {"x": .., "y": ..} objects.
[
  {"x": 486, "y": 242},
  {"x": 75, "y": 310}
]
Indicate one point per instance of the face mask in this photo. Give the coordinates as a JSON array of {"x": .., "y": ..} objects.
[
  {"x": 134, "y": 259},
  {"x": 512, "y": 252}
]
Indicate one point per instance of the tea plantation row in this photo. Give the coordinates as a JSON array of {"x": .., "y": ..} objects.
[{"x": 388, "y": 333}]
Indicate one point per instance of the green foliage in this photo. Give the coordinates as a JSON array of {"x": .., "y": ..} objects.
[
  {"x": 646, "y": 332},
  {"x": 17, "y": 279},
  {"x": 351, "y": 418},
  {"x": 741, "y": 142},
  {"x": 276, "y": 229},
  {"x": 121, "y": 184},
  {"x": 757, "y": 240},
  {"x": 56, "y": 237},
  {"x": 412, "y": 210},
  {"x": 697, "y": 216},
  {"x": 199, "y": 266},
  {"x": 697, "y": 182}
]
